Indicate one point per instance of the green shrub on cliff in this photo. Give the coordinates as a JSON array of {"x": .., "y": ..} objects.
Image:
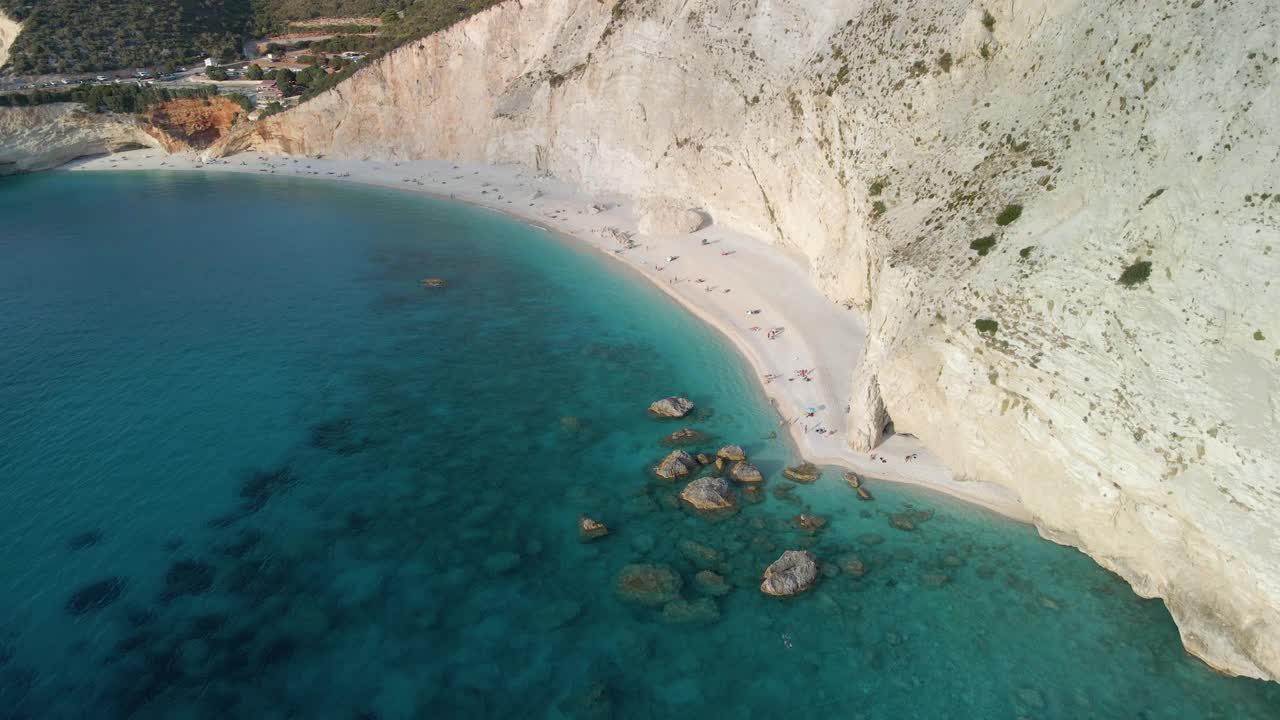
[{"x": 1136, "y": 273}]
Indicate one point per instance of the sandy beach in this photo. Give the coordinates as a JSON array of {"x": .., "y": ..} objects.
[{"x": 808, "y": 364}]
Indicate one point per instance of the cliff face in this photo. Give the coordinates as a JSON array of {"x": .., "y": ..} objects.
[
  {"x": 46, "y": 136},
  {"x": 9, "y": 29},
  {"x": 880, "y": 139}
]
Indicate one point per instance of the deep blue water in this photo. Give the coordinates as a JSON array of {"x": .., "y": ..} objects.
[{"x": 249, "y": 468}]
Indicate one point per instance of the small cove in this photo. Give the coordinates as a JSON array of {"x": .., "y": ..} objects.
[{"x": 252, "y": 469}]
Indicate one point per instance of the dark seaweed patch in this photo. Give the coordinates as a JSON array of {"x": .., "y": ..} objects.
[
  {"x": 278, "y": 651},
  {"x": 187, "y": 577},
  {"x": 248, "y": 540},
  {"x": 89, "y": 538},
  {"x": 224, "y": 521},
  {"x": 205, "y": 626},
  {"x": 262, "y": 485},
  {"x": 337, "y": 436},
  {"x": 95, "y": 596}
]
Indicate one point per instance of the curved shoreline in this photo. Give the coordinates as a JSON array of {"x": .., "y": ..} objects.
[{"x": 723, "y": 279}]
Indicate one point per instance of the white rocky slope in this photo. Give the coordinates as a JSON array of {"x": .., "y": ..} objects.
[
  {"x": 9, "y": 29},
  {"x": 46, "y": 136},
  {"x": 880, "y": 139}
]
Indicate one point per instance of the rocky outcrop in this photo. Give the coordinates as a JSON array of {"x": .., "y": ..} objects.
[
  {"x": 664, "y": 216},
  {"x": 937, "y": 167},
  {"x": 709, "y": 493},
  {"x": 195, "y": 123},
  {"x": 672, "y": 407},
  {"x": 676, "y": 464},
  {"x": 732, "y": 453},
  {"x": 804, "y": 473},
  {"x": 744, "y": 472},
  {"x": 589, "y": 529},
  {"x": 46, "y": 136},
  {"x": 791, "y": 574}
]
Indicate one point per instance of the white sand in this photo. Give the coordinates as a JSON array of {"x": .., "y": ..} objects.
[{"x": 817, "y": 335}]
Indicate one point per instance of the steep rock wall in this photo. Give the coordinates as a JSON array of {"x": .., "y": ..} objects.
[
  {"x": 880, "y": 139},
  {"x": 46, "y": 136},
  {"x": 9, "y": 29}
]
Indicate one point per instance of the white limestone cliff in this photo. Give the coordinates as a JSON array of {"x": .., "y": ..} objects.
[
  {"x": 46, "y": 136},
  {"x": 9, "y": 29},
  {"x": 879, "y": 139}
]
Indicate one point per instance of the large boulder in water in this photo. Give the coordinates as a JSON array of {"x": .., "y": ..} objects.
[
  {"x": 791, "y": 574},
  {"x": 745, "y": 472},
  {"x": 589, "y": 529},
  {"x": 709, "y": 493},
  {"x": 648, "y": 584},
  {"x": 676, "y": 464},
  {"x": 803, "y": 473},
  {"x": 732, "y": 453},
  {"x": 665, "y": 216},
  {"x": 672, "y": 407}
]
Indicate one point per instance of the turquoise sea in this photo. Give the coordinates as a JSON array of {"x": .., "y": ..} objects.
[{"x": 249, "y": 468}]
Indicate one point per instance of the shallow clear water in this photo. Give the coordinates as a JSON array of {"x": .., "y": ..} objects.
[{"x": 250, "y": 469}]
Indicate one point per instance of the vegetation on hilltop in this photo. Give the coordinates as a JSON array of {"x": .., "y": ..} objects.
[
  {"x": 273, "y": 14},
  {"x": 75, "y": 36},
  {"x": 108, "y": 98},
  {"x": 86, "y": 35}
]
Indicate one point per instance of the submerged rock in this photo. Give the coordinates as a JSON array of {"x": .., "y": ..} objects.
[
  {"x": 672, "y": 407},
  {"x": 732, "y": 453},
  {"x": 95, "y": 596},
  {"x": 702, "y": 556},
  {"x": 810, "y": 523},
  {"x": 804, "y": 473},
  {"x": 686, "y": 436},
  {"x": 501, "y": 562},
  {"x": 853, "y": 479},
  {"x": 648, "y": 584},
  {"x": 594, "y": 702},
  {"x": 681, "y": 612},
  {"x": 786, "y": 493},
  {"x": 557, "y": 614},
  {"x": 677, "y": 464},
  {"x": 864, "y": 495},
  {"x": 702, "y": 458},
  {"x": 589, "y": 529},
  {"x": 744, "y": 472},
  {"x": 709, "y": 493},
  {"x": 902, "y": 521},
  {"x": 934, "y": 580},
  {"x": 853, "y": 566},
  {"x": 753, "y": 494},
  {"x": 711, "y": 583},
  {"x": 791, "y": 574}
]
